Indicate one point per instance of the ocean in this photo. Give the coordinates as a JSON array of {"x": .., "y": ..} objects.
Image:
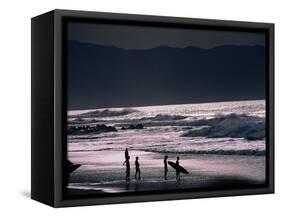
[
  {"x": 175, "y": 128},
  {"x": 206, "y": 136}
]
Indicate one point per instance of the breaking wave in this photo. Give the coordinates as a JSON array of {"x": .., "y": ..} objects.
[
  {"x": 157, "y": 120},
  {"x": 248, "y": 152},
  {"x": 107, "y": 113},
  {"x": 81, "y": 121},
  {"x": 232, "y": 125},
  {"x": 164, "y": 117}
]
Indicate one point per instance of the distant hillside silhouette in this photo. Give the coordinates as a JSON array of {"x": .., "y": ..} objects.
[{"x": 107, "y": 76}]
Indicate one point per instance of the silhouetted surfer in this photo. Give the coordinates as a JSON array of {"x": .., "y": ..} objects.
[
  {"x": 127, "y": 161},
  {"x": 165, "y": 167},
  {"x": 178, "y": 169},
  {"x": 138, "y": 172},
  {"x": 126, "y": 154}
]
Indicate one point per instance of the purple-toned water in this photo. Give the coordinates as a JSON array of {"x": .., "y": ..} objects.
[
  {"x": 239, "y": 129},
  {"x": 215, "y": 141}
]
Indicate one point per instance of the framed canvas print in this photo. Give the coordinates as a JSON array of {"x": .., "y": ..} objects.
[{"x": 131, "y": 108}]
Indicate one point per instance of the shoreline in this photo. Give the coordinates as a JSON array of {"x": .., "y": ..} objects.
[
  {"x": 160, "y": 185},
  {"x": 97, "y": 175}
]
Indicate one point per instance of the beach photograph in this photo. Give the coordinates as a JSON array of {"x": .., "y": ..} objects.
[{"x": 164, "y": 109}]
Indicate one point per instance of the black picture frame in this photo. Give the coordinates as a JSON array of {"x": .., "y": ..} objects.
[{"x": 48, "y": 148}]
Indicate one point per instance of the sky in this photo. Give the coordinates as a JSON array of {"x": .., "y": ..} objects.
[
  {"x": 144, "y": 37},
  {"x": 126, "y": 66}
]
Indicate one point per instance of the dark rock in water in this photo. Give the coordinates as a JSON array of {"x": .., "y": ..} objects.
[
  {"x": 132, "y": 127},
  {"x": 79, "y": 120},
  {"x": 104, "y": 128},
  {"x": 99, "y": 128}
]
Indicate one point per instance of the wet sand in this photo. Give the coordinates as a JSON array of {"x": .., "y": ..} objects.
[{"x": 103, "y": 172}]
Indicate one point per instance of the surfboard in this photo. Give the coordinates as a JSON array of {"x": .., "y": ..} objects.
[
  {"x": 175, "y": 166},
  {"x": 73, "y": 167}
]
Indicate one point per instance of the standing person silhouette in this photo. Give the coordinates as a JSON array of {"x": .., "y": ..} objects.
[
  {"x": 127, "y": 161},
  {"x": 127, "y": 169},
  {"x": 138, "y": 172},
  {"x": 178, "y": 170},
  {"x": 165, "y": 167},
  {"x": 126, "y": 154}
]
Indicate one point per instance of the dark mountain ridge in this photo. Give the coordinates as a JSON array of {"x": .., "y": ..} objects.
[{"x": 107, "y": 76}]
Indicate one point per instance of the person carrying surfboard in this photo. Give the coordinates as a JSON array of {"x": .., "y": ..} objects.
[
  {"x": 165, "y": 167},
  {"x": 178, "y": 169}
]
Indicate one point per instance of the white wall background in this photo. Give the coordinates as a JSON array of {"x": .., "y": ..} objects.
[{"x": 15, "y": 106}]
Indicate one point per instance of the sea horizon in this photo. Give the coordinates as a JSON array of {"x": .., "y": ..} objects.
[{"x": 211, "y": 102}]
